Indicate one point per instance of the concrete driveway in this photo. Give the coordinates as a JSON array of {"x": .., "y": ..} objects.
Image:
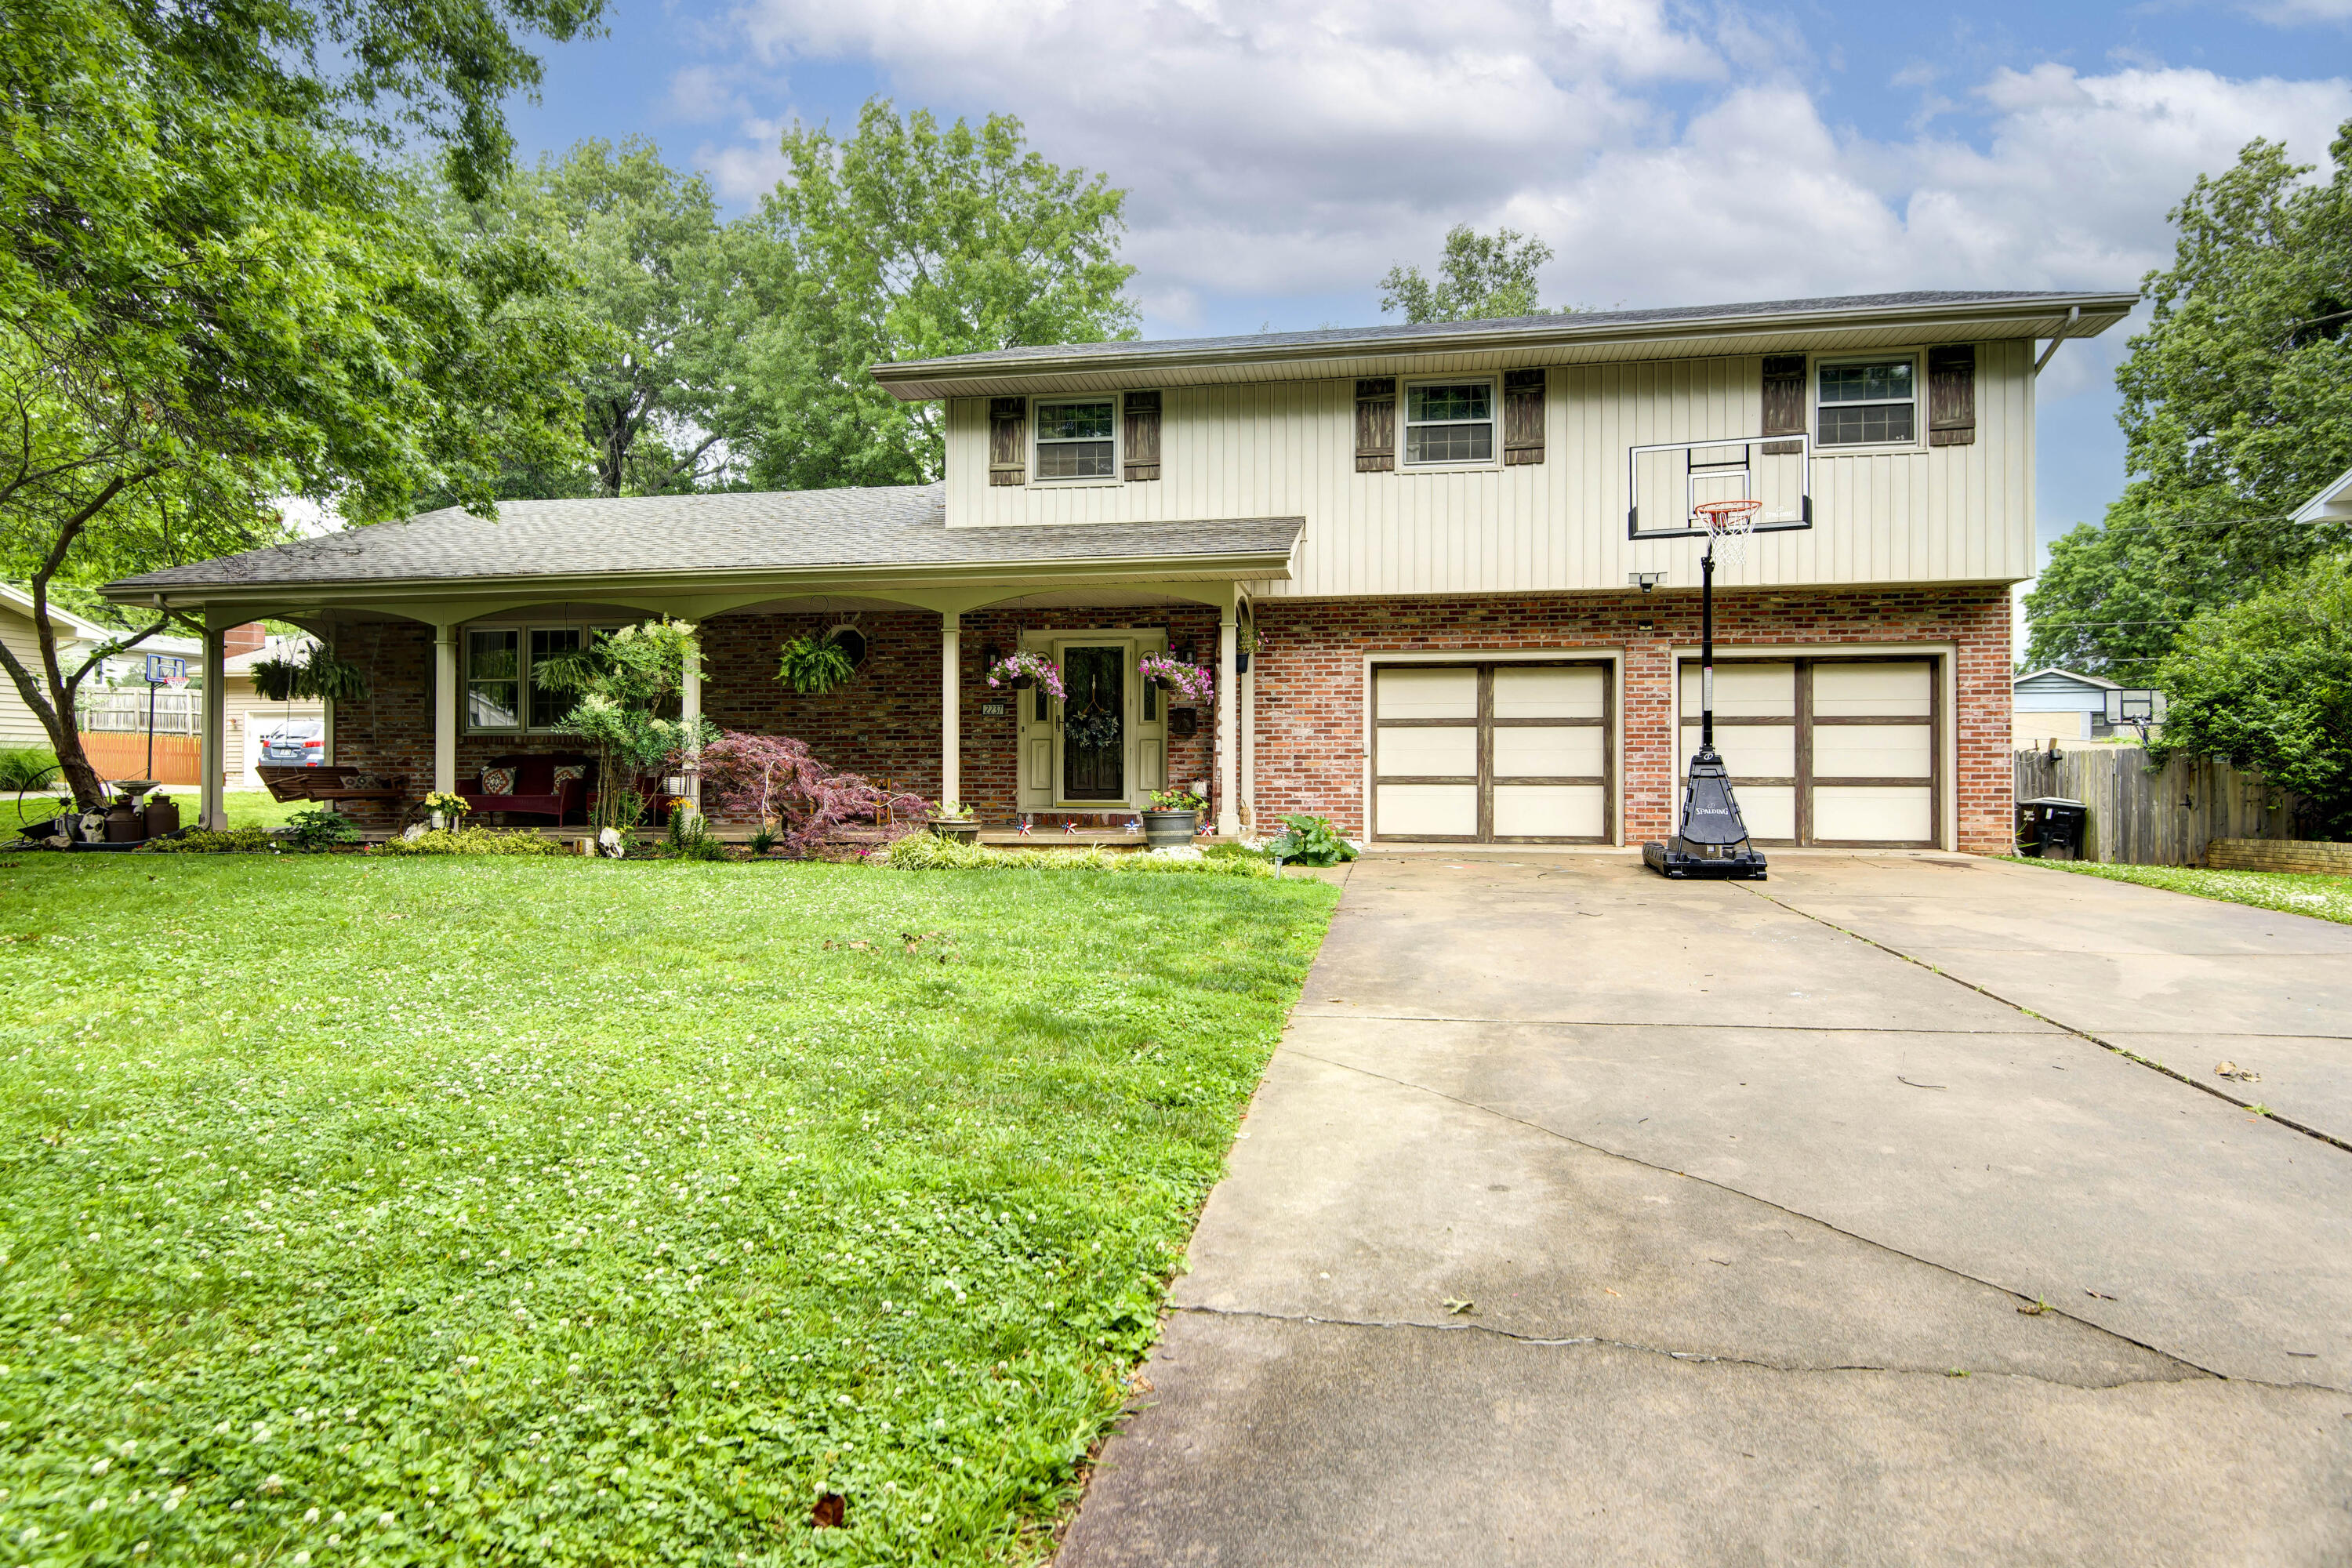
[{"x": 1587, "y": 1218}]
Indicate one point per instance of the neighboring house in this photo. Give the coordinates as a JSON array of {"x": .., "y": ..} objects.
[
  {"x": 2331, "y": 504},
  {"x": 2053, "y": 704},
  {"x": 1433, "y": 537},
  {"x": 19, "y": 726}
]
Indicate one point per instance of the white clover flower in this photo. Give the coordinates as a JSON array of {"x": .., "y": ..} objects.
[
  {"x": 100, "y": 1467},
  {"x": 312, "y": 1517},
  {"x": 384, "y": 1519}
]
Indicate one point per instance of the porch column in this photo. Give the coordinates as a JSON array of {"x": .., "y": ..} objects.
[
  {"x": 445, "y": 709},
  {"x": 1249, "y": 741},
  {"x": 212, "y": 749},
  {"x": 689, "y": 708},
  {"x": 1229, "y": 820},
  {"x": 950, "y": 718}
]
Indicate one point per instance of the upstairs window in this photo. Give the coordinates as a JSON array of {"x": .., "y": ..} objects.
[
  {"x": 1868, "y": 402},
  {"x": 1075, "y": 439},
  {"x": 1450, "y": 422}
]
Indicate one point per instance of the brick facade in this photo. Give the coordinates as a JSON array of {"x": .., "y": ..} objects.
[
  {"x": 1310, "y": 680},
  {"x": 1309, "y": 688}
]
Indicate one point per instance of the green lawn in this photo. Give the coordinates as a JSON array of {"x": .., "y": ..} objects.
[
  {"x": 2295, "y": 893},
  {"x": 577, "y": 1212}
]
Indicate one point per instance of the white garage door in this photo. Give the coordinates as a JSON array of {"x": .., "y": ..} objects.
[
  {"x": 1828, "y": 752},
  {"x": 1498, "y": 754}
]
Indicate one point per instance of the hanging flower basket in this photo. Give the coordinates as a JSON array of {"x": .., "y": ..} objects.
[
  {"x": 1023, "y": 671},
  {"x": 1188, "y": 681}
]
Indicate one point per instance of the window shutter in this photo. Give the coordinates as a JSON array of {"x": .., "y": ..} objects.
[
  {"x": 1952, "y": 395},
  {"x": 1142, "y": 435},
  {"x": 1376, "y": 424},
  {"x": 1008, "y": 440},
  {"x": 1784, "y": 401},
  {"x": 1523, "y": 417}
]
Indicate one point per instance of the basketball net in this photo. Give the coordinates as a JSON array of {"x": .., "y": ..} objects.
[{"x": 1730, "y": 524}]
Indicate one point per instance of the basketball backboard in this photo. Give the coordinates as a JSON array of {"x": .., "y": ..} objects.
[{"x": 1667, "y": 480}]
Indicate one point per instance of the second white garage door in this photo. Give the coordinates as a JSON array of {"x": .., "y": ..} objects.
[
  {"x": 1828, "y": 752},
  {"x": 1505, "y": 753}
]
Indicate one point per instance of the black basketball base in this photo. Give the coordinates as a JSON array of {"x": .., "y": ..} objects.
[
  {"x": 1714, "y": 840},
  {"x": 1677, "y": 858}
]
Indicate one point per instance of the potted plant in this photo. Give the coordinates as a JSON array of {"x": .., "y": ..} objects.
[
  {"x": 1174, "y": 817},
  {"x": 1023, "y": 671},
  {"x": 814, "y": 666},
  {"x": 954, "y": 819},
  {"x": 448, "y": 809},
  {"x": 1170, "y": 674},
  {"x": 1245, "y": 645}
]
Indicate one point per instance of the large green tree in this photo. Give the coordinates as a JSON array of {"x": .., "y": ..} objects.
[
  {"x": 212, "y": 296},
  {"x": 906, "y": 240},
  {"x": 660, "y": 273},
  {"x": 1482, "y": 277},
  {"x": 2266, "y": 684},
  {"x": 2237, "y": 406}
]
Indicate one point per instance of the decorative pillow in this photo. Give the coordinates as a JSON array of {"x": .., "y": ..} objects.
[
  {"x": 565, "y": 770},
  {"x": 498, "y": 781},
  {"x": 365, "y": 781}
]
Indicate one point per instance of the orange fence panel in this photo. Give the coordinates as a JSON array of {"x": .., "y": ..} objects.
[{"x": 178, "y": 759}]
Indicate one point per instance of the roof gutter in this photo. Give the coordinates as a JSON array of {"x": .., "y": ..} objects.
[
  {"x": 1235, "y": 565},
  {"x": 1568, "y": 332}
]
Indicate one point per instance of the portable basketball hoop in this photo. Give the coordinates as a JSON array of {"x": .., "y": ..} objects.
[{"x": 1711, "y": 839}]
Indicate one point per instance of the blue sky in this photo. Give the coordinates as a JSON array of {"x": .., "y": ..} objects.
[{"x": 1281, "y": 157}]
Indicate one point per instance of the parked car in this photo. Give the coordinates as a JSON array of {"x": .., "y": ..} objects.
[{"x": 301, "y": 744}]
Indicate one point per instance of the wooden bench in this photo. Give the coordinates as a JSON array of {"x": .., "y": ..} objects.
[{"x": 331, "y": 785}]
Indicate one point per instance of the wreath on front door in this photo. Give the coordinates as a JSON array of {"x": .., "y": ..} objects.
[{"x": 1095, "y": 727}]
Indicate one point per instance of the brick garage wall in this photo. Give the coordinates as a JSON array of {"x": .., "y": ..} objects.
[
  {"x": 1310, "y": 680},
  {"x": 885, "y": 724}
]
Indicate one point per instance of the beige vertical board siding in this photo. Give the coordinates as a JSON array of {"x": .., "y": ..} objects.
[
  {"x": 1288, "y": 448},
  {"x": 18, "y": 727}
]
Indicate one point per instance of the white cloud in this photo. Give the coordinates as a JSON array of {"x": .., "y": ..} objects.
[{"x": 1289, "y": 149}]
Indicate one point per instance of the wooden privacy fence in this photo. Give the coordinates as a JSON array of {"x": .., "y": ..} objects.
[
  {"x": 2160, "y": 816},
  {"x": 117, "y": 756}
]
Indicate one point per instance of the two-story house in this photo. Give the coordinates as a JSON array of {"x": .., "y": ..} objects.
[{"x": 1445, "y": 577}]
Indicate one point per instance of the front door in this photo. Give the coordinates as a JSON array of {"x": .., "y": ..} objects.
[{"x": 1094, "y": 723}]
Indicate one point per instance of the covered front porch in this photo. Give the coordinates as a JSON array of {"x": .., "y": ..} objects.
[{"x": 451, "y": 692}]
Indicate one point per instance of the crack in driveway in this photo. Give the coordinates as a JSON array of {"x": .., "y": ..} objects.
[
  {"x": 2224, "y": 1095},
  {"x": 1870, "y": 1242},
  {"x": 1669, "y": 1353}
]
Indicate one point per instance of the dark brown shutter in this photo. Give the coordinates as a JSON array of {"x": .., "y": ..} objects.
[
  {"x": 1142, "y": 435},
  {"x": 1376, "y": 424},
  {"x": 1784, "y": 401},
  {"x": 1952, "y": 395},
  {"x": 1523, "y": 417},
  {"x": 1008, "y": 440}
]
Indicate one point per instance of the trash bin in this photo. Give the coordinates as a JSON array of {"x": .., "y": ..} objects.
[{"x": 2050, "y": 827}]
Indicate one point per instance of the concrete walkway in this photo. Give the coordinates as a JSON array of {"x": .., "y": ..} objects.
[{"x": 1586, "y": 1218}]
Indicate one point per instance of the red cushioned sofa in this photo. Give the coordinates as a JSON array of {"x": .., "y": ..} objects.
[{"x": 535, "y": 792}]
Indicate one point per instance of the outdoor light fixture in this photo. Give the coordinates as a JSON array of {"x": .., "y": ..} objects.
[{"x": 1645, "y": 580}]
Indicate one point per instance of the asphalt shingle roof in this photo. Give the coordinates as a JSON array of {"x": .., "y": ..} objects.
[{"x": 786, "y": 530}]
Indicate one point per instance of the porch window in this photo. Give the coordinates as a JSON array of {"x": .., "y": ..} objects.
[
  {"x": 1075, "y": 439},
  {"x": 1449, "y": 422},
  {"x": 493, "y": 680},
  {"x": 1868, "y": 402},
  {"x": 547, "y": 708},
  {"x": 500, "y": 695}
]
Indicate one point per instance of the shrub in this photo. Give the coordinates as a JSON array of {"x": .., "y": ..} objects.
[
  {"x": 471, "y": 841},
  {"x": 317, "y": 828},
  {"x": 27, "y": 767},
  {"x": 930, "y": 852},
  {"x": 776, "y": 776},
  {"x": 227, "y": 841},
  {"x": 1308, "y": 840}
]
